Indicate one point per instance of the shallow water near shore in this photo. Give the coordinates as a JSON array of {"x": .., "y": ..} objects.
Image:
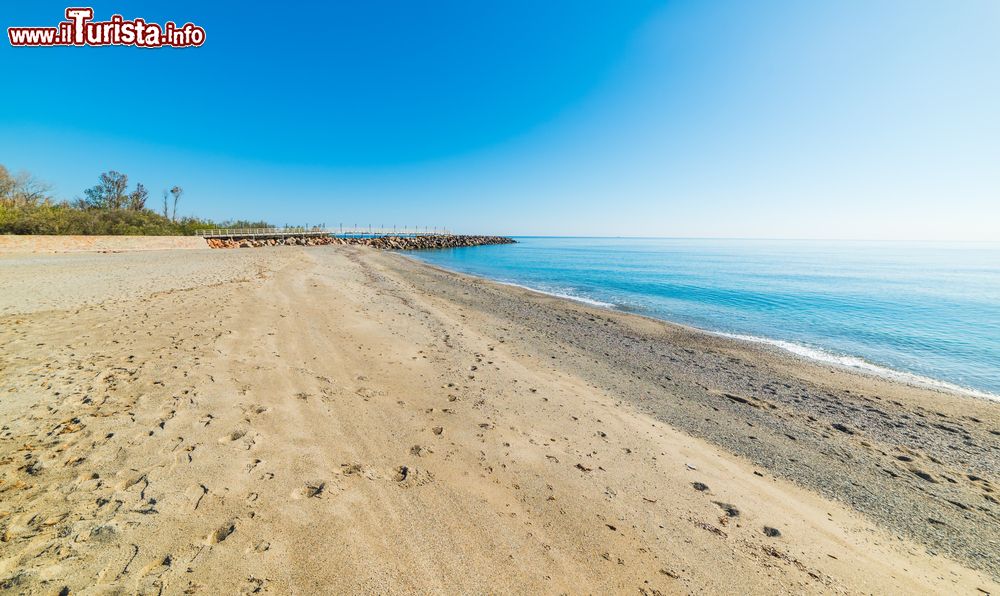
[{"x": 923, "y": 312}]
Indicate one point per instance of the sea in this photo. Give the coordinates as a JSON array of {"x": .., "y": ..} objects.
[{"x": 924, "y": 313}]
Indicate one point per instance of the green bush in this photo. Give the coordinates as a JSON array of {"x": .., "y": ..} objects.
[
  {"x": 63, "y": 218},
  {"x": 26, "y": 207}
]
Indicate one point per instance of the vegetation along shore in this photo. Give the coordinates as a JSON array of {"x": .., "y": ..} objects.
[{"x": 111, "y": 207}]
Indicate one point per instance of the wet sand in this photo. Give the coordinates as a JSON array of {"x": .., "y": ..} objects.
[{"x": 341, "y": 419}]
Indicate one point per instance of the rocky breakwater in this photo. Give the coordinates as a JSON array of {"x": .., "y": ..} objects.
[{"x": 381, "y": 242}]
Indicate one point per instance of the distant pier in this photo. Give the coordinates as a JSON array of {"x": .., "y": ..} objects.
[
  {"x": 316, "y": 232},
  {"x": 382, "y": 238}
]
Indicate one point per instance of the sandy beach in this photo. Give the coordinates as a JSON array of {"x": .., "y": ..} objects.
[{"x": 339, "y": 419}]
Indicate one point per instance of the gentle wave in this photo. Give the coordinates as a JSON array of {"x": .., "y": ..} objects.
[
  {"x": 809, "y": 353},
  {"x": 582, "y": 299},
  {"x": 858, "y": 363}
]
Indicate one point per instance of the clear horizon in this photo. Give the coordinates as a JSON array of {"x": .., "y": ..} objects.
[
  {"x": 833, "y": 121},
  {"x": 761, "y": 238}
]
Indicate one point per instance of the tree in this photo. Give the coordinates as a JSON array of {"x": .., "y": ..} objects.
[
  {"x": 6, "y": 186},
  {"x": 166, "y": 194},
  {"x": 22, "y": 190},
  {"x": 30, "y": 191},
  {"x": 137, "y": 200},
  {"x": 110, "y": 193},
  {"x": 177, "y": 192},
  {"x": 6, "y": 183}
]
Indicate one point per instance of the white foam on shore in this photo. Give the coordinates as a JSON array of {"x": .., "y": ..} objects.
[
  {"x": 856, "y": 363},
  {"x": 589, "y": 301},
  {"x": 809, "y": 353},
  {"x": 817, "y": 355}
]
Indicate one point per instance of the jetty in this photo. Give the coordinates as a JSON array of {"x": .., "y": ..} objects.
[
  {"x": 381, "y": 238},
  {"x": 316, "y": 232}
]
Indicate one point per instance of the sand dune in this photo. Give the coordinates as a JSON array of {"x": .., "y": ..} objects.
[{"x": 337, "y": 419}]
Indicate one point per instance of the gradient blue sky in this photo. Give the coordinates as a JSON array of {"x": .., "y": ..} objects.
[{"x": 875, "y": 119}]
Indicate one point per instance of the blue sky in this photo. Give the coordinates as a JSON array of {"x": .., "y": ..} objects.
[{"x": 784, "y": 119}]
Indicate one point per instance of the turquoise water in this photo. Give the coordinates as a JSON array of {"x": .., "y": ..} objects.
[{"x": 928, "y": 312}]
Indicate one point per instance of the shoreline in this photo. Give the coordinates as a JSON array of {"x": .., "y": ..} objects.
[
  {"x": 863, "y": 367},
  {"x": 817, "y": 379},
  {"x": 788, "y": 348},
  {"x": 357, "y": 420},
  {"x": 14, "y": 245}
]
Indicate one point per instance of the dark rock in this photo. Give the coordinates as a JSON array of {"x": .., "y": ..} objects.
[
  {"x": 730, "y": 509},
  {"x": 842, "y": 428}
]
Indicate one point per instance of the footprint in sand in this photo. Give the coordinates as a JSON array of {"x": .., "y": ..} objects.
[
  {"x": 312, "y": 490},
  {"x": 729, "y": 509},
  {"x": 254, "y": 585},
  {"x": 247, "y": 442},
  {"x": 236, "y": 435},
  {"x": 254, "y": 410},
  {"x": 409, "y": 476},
  {"x": 260, "y": 547},
  {"x": 222, "y": 533},
  {"x": 357, "y": 469}
]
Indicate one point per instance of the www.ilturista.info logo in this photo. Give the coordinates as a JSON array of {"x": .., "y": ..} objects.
[{"x": 80, "y": 29}]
